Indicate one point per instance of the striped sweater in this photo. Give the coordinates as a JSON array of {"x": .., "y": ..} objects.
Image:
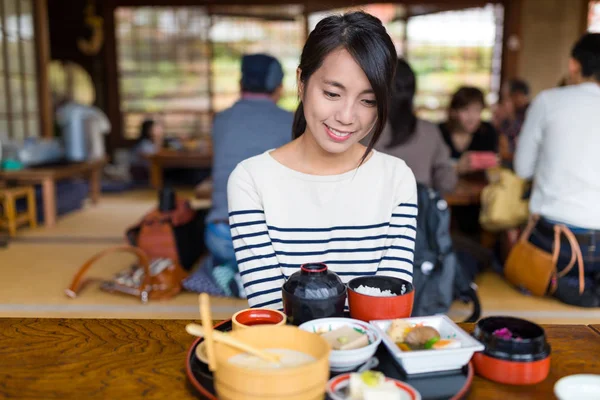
[{"x": 362, "y": 222}]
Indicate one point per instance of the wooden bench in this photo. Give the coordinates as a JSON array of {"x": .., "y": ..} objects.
[
  {"x": 10, "y": 218},
  {"x": 48, "y": 176}
]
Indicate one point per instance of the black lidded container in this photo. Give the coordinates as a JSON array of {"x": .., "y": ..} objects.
[
  {"x": 521, "y": 359},
  {"x": 313, "y": 292},
  {"x": 531, "y": 347}
]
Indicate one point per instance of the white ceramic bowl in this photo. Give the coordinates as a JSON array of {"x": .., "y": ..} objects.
[
  {"x": 346, "y": 360},
  {"x": 578, "y": 387},
  {"x": 423, "y": 361}
]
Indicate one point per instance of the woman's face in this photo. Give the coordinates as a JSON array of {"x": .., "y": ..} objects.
[
  {"x": 339, "y": 103},
  {"x": 157, "y": 132},
  {"x": 469, "y": 117}
]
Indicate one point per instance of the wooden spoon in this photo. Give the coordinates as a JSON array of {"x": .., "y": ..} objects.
[{"x": 197, "y": 330}]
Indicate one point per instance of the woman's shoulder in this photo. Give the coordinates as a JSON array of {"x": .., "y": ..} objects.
[
  {"x": 428, "y": 126},
  {"x": 391, "y": 167},
  {"x": 253, "y": 166}
]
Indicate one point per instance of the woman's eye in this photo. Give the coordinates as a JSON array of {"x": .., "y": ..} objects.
[
  {"x": 370, "y": 103},
  {"x": 330, "y": 94}
]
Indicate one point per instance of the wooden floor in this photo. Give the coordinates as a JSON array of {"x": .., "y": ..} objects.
[{"x": 39, "y": 264}]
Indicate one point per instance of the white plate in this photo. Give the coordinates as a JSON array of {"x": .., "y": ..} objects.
[
  {"x": 578, "y": 387},
  {"x": 424, "y": 361},
  {"x": 338, "y": 385}
]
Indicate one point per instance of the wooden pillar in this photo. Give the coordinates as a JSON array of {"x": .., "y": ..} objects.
[
  {"x": 512, "y": 41},
  {"x": 42, "y": 49}
]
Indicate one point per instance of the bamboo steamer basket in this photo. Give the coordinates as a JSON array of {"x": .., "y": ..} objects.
[{"x": 305, "y": 382}]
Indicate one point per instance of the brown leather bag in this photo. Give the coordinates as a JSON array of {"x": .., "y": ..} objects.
[
  {"x": 158, "y": 273},
  {"x": 534, "y": 269},
  {"x": 146, "y": 281}
]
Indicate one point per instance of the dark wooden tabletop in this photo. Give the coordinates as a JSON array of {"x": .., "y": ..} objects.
[
  {"x": 466, "y": 193},
  {"x": 129, "y": 359},
  {"x": 183, "y": 158},
  {"x": 54, "y": 172}
]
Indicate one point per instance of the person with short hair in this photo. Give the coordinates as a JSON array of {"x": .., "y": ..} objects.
[
  {"x": 253, "y": 125},
  {"x": 558, "y": 149}
]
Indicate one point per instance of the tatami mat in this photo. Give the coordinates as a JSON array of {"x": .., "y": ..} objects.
[{"x": 39, "y": 264}]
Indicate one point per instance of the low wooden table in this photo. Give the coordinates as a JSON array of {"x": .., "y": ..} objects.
[
  {"x": 48, "y": 176},
  {"x": 467, "y": 193},
  {"x": 125, "y": 359},
  {"x": 176, "y": 159}
]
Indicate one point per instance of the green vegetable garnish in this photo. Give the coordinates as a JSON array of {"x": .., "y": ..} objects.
[
  {"x": 342, "y": 339},
  {"x": 370, "y": 378},
  {"x": 429, "y": 344}
]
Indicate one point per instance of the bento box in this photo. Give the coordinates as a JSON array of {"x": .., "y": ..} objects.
[{"x": 452, "y": 349}]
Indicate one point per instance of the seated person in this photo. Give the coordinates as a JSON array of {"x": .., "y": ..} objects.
[
  {"x": 416, "y": 141},
  {"x": 151, "y": 140},
  {"x": 465, "y": 133},
  {"x": 324, "y": 197},
  {"x": 558, "y": 149},
  {"x": 510, "y": 126},
  {"x": 253, "y": 125}
]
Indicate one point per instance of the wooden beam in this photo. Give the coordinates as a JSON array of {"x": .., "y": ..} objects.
[
  {"x": 42, "y": 49},
  {"x": 311, "y": 5}
]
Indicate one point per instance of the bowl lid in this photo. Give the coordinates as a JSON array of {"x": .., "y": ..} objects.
[
  {"x": 512, "y": 339},
  {"x": 314, "y": 281}
]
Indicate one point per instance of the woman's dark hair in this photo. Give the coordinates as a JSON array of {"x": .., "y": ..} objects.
[
  {"x": 367, "y": 41},
  {"x": 146, "y": 130},
  {"x": 587, "y": 52},
  {"x": 462, "y": 98},
  {"x": 402, "y": 116}
]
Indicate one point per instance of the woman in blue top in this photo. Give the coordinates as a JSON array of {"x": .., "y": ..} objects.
[{"x": 324, "y": 197}]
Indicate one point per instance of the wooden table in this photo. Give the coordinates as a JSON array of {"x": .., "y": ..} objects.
[
  {"x": 126, "y": 359},
  {"x": 48, "y": 176},
  {"x": 177, "y": 159},
  {"x": 467, "y": 192}
]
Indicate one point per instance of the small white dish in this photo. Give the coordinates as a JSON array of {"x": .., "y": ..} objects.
[
  {"x": 336, "y": 388},
  {"x": 425, "y": 361},
  {"x": 578, "y": 387},
  {"x": 346, "y": 360}
]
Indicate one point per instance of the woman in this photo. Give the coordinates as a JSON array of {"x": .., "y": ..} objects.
[
  {"x": 418, "y": 142},
  {"x": 151, "y": 137},
  {"x": 324, "y": 197},
  {"x": 151, "y": 140},
  {"x": 464, "y": 132}
]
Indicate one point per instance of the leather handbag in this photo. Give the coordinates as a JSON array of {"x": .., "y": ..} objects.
[
  {"x": 502, "y": 203},
  {"x": 159, "y": 279},
  {"x": 531, "y": 268},
  {"x": 158, "y": 273}
]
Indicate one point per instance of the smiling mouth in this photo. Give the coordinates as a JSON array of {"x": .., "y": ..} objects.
[{"x": 337, "y": 134}]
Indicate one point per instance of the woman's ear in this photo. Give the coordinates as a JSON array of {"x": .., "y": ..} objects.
[{"x": 299, "y": 83}]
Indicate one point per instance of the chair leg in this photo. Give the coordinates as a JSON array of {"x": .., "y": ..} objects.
[
  {"x": 31, "y": 208},
  {"x": 11, "y": 215}
]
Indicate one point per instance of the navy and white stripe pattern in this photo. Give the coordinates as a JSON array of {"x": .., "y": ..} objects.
[{"x": 269, "y": 250}]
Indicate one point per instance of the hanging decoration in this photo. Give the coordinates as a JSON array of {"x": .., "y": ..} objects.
[{"x": 92, "y": 46}]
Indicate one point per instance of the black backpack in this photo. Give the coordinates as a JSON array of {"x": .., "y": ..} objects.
[{"x": 438, "y": 276}]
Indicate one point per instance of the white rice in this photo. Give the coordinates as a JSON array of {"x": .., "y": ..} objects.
[{"x": 373, "y": 291}]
